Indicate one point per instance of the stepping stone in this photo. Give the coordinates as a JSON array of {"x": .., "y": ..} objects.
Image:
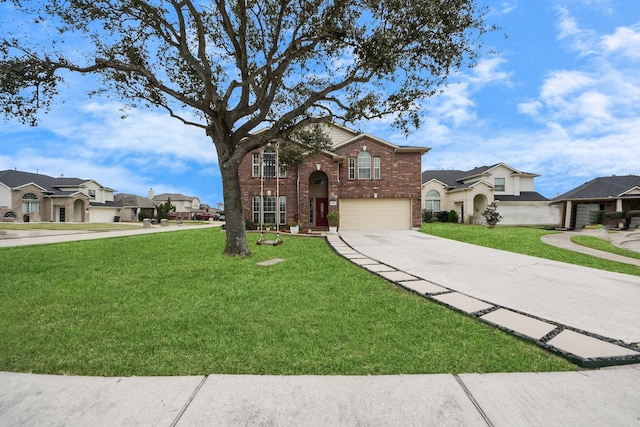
[
  {"x": 364, "y": 261},
  {"x": 423, "y": 287},
  {"x": 463, "y": 302},
  {"x": 355, "y": 256},
  {"x": 522, "y": 324},
  {"x": 397, "y": 276},
  {"x": 588, "y": 347},
  {"x": 378, "y": 268},
  {"x": 270, "y": 262}
]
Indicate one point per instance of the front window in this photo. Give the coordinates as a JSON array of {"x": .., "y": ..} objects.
[
  {"x": 432, "y": 201},
  {"x": 376, "y": 168},
  {"x": 92, "y": 194},
  {"x": 352, "y": 168},
  {"x": 364, "y": 165},
  {"x": 30, "y": 203},
  {"x": 499, "y": 184},
  {"x": 269, "y": 213}
]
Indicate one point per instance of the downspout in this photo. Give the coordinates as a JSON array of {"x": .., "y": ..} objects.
[{"x": 298, "y": 194}]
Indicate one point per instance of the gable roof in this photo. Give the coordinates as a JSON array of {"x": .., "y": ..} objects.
[
  {"x": 174, "y": 197},
  {"x": 602, "y": 188},
  {"x": 451, "y": 178},
  {"x": 49, "y": 184},
  {"x": 132, "y": 200},
  {"x": 456, "y": 178},
  {"x": 525, "y": 196}
]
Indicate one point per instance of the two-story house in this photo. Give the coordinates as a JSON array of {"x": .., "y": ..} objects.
[
  {"x": 470, "y": 192},
  {"x": 26, "y": 196},
  {"x": 372, "y": 183},
  {"x": 186, "y": 206}
]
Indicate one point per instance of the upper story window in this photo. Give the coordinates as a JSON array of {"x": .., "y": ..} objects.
[
  {"x": 268, "y": 164},
  {"x": 92, "y": 194},
  {"x": 364, "y": 165},
  {"x": 367, "y": 167},
  {"x": 499, "y": 184},
  {"x": 376, "y": 168}
]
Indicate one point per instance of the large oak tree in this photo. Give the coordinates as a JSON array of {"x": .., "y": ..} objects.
[{"x": 231, "y": 67}]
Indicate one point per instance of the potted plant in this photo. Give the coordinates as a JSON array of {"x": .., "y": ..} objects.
[
  {"x": 334, "y": 221},
  {"x": 294, "y": 228}
]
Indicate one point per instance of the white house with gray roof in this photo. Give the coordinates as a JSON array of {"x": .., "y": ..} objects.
[{"x": 470, "y": 192}]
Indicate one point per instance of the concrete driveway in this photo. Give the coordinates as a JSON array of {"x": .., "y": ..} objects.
[{"x": 585, "y": 299}]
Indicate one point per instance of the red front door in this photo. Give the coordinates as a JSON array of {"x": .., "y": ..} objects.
[{"x": 322, "y": 206}]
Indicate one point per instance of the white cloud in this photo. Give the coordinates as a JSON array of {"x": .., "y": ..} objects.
[{"x": 625, "y": 42}]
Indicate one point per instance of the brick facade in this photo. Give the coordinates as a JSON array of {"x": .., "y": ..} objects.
[
  {"x": 326, "y": 176},
  {"x": 48, "y": 209}
]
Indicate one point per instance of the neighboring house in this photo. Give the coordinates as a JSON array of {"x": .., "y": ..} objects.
[
  {"x": 583, "y": 205},
  {"x": 372, "y": 183},
  {"x": 133, "y": 207},
  {"x": 187, "y": 207},
  {"x": 26, "y": 196},
  {"x": 470, "y": 192}
]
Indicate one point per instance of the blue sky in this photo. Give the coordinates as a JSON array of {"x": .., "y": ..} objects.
[{"x": 560, "y": 99}]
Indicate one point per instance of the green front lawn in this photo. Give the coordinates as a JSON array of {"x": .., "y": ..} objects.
[
  {"x": 173, "y": 304},
  {"x": 523, "y": 240}
]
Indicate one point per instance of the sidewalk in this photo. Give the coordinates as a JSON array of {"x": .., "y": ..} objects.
[
  {"x": 625, "y": 239},
  {"x": 608, "y": 397},
  {"x": 10, "y": 238}
]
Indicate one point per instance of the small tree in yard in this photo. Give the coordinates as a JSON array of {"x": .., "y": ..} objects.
[
  {"x": 491, "y": 215},
  {"x": 163, "y": 209},
  {"x": 232, "y": 67}
]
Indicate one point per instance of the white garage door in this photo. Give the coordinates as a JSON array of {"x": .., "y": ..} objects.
[{"x": 375, "y": 214}]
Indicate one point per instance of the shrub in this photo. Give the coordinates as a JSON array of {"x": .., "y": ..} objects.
[
  {"x": 452, "y": 216},
  {"x": 491, "y": 215},
  {"x": 427, "y": 215},
  {"x": 442, "y": 216}
]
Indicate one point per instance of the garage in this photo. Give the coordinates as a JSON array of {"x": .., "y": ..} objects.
[{"x": 375, "y": 214}]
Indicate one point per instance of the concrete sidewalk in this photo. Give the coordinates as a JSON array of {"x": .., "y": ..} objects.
[
  {"x": 589, "y": 316},
  {"x": 608, "y": 397},
  {"x": 10, "y": 238}
]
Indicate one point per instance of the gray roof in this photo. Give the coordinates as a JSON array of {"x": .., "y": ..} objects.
[
  {"x": 450, "y": 177},
  {"x": 525, "y": 196},
  {"x": 15, "y": 178},
  {"x": 174, "y": 196},
  {"x": 132, "y": 200},
  {"x": 601, "y": 188}
]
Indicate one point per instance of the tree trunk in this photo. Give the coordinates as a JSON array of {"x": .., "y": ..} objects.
[{"x": 235, "y": 222}]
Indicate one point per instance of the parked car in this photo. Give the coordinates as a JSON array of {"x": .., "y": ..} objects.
[
  {"x": 221, "y": 216},
  {"x": 206, "y": 216}
]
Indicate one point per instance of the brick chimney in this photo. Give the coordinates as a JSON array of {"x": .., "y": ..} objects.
[{"x": 151, "y": 193}]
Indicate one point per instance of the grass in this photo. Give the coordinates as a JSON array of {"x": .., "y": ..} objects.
[
  {"x": 602, "y": 245},
  {"x": 523, "y": 240},
  {"x": 173, "y": 304}
]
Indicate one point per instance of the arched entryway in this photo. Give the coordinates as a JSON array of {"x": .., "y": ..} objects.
[
  {"x": 78, "y": 210},
  {"x": 318, "y": 199},
  {"x": 480, "y": 203}
]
